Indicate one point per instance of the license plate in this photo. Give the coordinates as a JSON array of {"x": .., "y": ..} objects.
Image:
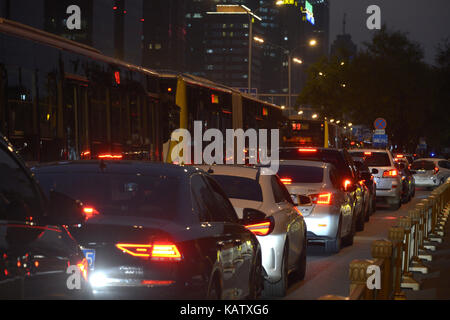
[{"x": 89, "y": 254}]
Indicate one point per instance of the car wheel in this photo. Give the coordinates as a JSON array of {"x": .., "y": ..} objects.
[
  {"x": 360, "y": 222},
  {"x": 334, "y": 246},
  {"x": 214, "y": 289},
  {"x": 279, "y": 288},
  {"x": 256, "y": 279},
  {"x": 301, "y": 265},
  {"x": 348, "y": 239}
]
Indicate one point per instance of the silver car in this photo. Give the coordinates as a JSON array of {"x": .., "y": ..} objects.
[
  {"x": 387, "y": 178},
  {"x": 323, "y": 202},
  {"x": 430, "y": 172},
  {"x": 283, "y": 251}
]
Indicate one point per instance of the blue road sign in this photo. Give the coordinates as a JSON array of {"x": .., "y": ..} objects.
[
  {"x": 380, "y": 123},
  {"x": 380, "y": 139}
]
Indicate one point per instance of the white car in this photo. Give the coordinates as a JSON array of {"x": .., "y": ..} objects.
[
  {"x": 321, "y": 198},
  {"x": 430, "y": 172},
  {"x": 284, "y": 249},
  {"x": 387, "y": 178}
]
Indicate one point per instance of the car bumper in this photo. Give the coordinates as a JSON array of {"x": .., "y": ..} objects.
[
  {"x": 427, "y": 182},
  {"x": 389, "y": 193},
  {"x": 272, "y": 247},
  {"x": 150, "y": 284},
  {"x": 322, "y": 223}
]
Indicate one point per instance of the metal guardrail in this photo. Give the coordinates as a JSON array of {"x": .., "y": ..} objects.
[{"x": 412, "y": 240}]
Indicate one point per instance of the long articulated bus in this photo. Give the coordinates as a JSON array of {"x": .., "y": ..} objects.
[
  {"x": 312, "y": 133},
  {"x": 62, "y": 100}
]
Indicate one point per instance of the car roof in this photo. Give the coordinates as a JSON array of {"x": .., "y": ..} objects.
[
  {"x": 114, "y": 166},
  {"x": 250, "y": 172}
]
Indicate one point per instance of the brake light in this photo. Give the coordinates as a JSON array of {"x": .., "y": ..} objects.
[
  {"x": 89, "y": 212},
  {"x": 321, "y": 198},
  {"x": 157, "y": 251},
  {"x": 367, "y": 153},
  {"x": 307, "y": 150},
  {"x": 390, "y": 173},
  {"x": 399, "y": 156},
  {"x": 347, "y": 183},
  {"x": 286, "y": 180},
  {"x": 83, "y": 267},
  {"x": 260, "y": 229},
  {"x": 136, "y": 250},
  {"x": 436, "y": 170},
  {"x": 165, "y": 252},
  {"x": 110, "y": 156}
]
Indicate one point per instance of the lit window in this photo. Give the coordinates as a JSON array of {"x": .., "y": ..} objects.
[{"x": 157, "y": 46}]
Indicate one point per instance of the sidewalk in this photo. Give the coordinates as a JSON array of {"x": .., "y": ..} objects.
[{"x": 436, "y": 284}]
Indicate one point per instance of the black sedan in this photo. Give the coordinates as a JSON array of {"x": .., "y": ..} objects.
[{"x": 159, "y": 231}]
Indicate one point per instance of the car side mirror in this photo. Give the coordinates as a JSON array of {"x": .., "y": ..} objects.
[
  {"x": 374, "y": 171},
  {"x": 64, "y": 210}
]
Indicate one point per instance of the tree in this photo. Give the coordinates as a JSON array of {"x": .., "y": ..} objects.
[{"x": 388, "y": 79}]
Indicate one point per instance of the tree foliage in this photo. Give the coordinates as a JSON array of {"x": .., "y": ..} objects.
[{"x": 387, "y": 78}]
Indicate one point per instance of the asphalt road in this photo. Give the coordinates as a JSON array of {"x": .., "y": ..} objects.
[{"x": 328, "y": 273}]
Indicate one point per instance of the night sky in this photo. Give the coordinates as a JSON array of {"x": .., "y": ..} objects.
[{"x": 426, "y": 21}]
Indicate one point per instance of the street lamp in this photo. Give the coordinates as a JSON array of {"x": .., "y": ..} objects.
[
  {"x": 257, "y": 39},
  {"x": 296, "y": 60},
  {"x": 300, "y": 112},
  {"x": 315, "y": 116}
]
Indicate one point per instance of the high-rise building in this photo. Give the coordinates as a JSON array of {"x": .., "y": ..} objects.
[
  {"x": 164, "y": 39},
  {"x": 343, "y": 47},
  {"x": 227, "y": 49}
]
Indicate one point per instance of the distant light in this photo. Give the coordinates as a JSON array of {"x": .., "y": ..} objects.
[
  {"x": 312, "y": 42},
  {"x": 257, "y": 39},
  {"x": 331, "y": 120},
  {"x": 115, "y": 8},
  {"x": 320, "y": 74},
  {"x": 339, "y": 121},
  {"x": 300, "y": 112},
  {"x": 342, "y": 63},
  {"x": 142, "y": 20},
  {"x": 350, "y": 124},
  {"x": 296, "y": 60},
  {"x": 314, "y": 116},
  {"x": 283, "y": 107},
  {"x": 432, "y": 154}
]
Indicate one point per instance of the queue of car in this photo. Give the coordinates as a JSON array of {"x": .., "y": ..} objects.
[{"x": 119, "y": 229}]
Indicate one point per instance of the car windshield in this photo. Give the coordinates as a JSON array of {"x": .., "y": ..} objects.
[
  {"x": 239, "y": 187},
  {"x": 301, "y": 174},
  {"x": 422, "y": 165},
  {"x": 374, "y": 159},
  {"x": 117, "y": 194}
]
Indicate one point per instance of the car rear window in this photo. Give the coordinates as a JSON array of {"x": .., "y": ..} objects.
[
  {"x": 374, "y": 159},
  {"x": 301, "y": 174},
  {"x": 151, "y": 196},
  {"x": 334, "y": 157},
  {"x": 422, "y": 165},
  {"x": 239, "y": 187}
]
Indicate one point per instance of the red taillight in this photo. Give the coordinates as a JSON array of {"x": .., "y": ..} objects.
[
  {"x": 321, "y": 198},
  {"x": 390, "y": 173},
  {"x": 367, "y": 153},
  {"x": 307, "y": 150},
  {"x": 136, "y": 250},
  {"x": 157, "y": 251},
  {"x": 347, "y": 183},
  {"x": 83, "y": 267},
  {"x": 400, "y": 156},
  {"x": 436, "y": 170},
  {"x": 165, "y": 252},
  {"x": 110, "y": 156},
  {"x": 260, "y": 229},
  {"x": 286, "y": 180},
  {"x": 89, "y": 212}
]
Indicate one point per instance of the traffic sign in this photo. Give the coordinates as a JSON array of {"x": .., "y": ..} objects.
[
  {"x": 380, "y": 123},
  {"x": 380, "y": 140},
  {"x": 379, "y": 131}
]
